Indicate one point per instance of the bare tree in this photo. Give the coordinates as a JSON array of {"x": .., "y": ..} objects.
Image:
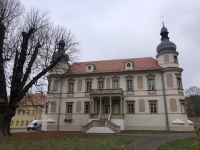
[
  {"x": 193, "y": 101},
  {"x": 26, "y": 49}
]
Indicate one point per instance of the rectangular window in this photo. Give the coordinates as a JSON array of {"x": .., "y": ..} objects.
[
  {"x": 179, "y": 83},
  {"x": 27, "y": 122},
  {"x": 153, "y": 108},
  {"x": 130, "y": 108},
  {"x": 18, "y": 112},
  {"x": 23, "y": 112},
  {"x": 88, "y": 86},
  {"x": 28, "y": 112},
  {"x": 101, "y": 85},
  {"x": 129, "y": 85},
  {"x": 33, "y": 112},
  {"x": 12, "y": 122},
  {"x": 115, "y": 84},
  {"x": 69, "y": 109},
  {"x": 182, "y": 107},
  {"x": 87, "y": 108},
  {"x": 175, "y": 59},
  {"x": 17, "y": 123},
  {"x": 71, "y": 87},
  {"x": 151, "y": 84},
  {"x": 22, "y": 123}
]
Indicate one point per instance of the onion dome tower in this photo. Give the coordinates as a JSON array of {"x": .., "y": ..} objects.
[
  {"x": 63, "y": 65},
  {"x": 166, "y": 51}
]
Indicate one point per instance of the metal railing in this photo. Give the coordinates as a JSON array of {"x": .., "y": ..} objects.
[{"x": 106, "y": 91}]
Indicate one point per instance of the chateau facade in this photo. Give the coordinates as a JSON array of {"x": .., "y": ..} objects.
[{"x": 113, "y": 95}]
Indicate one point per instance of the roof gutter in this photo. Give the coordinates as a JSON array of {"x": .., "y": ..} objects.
[{"x": 165, "y": 102}]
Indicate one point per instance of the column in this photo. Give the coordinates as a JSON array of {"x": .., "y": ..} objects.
[
  {"x": 121, "y": 105},
  {"x": 110, "y": 105},
  {"x": 100, "y": 105},
  {"x": 90, "y": 105},
  {"x": 93, "y": 106}
]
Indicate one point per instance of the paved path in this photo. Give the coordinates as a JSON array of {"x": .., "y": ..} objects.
[{"x": 153, "y": 141}]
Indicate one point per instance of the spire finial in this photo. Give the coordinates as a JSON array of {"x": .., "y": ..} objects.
[{"x": 162, "y": 18}]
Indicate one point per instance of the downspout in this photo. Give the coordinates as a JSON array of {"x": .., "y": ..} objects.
[
  {"x": 165, "y": 102},
  {"x": 61, "y": 81}
]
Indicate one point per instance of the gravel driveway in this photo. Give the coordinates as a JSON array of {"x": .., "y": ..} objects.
[{"x": 153, "y": 141}]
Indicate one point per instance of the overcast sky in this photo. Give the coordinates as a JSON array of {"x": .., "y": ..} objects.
[{"x": 119, "y": 29}]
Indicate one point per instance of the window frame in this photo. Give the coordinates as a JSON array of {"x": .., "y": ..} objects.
[
  {"x": 129, "y": 78},
  {"x": 153, "y": 102},
  {"x": 130, "y": 103},
  {"x": 115, "y": 79},
  {"x": 71, "y": 82},
  {"x": 151, "y": 77},
  {"x": 86, "y": 110},
  {"x": 178, "y": 78},
  {"x": 182, "y": 102},
  {"x": 87, "y": 81},
  {"x": 68, "y": 105}
]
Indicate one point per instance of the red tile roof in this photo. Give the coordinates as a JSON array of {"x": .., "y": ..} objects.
[
  {"x": 33, "y": 99},
  {"x": 104, "y": 66}
]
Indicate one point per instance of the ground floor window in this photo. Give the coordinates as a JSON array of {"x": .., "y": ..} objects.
[
  {"x": 27, "y": 122},
  {"x": 87, "y": 108},
  {"x": 130, "y": 107},
  {"x": 153, "y": 108},
  {"x": 22, "y": 123}
]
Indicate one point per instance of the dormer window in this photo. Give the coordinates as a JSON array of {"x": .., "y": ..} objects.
[
  {"x": 90, "y": 67},
  {"x": 128, "y": 65}
]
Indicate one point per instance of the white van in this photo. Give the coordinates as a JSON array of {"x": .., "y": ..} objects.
[{"x": 35, "y": 125}]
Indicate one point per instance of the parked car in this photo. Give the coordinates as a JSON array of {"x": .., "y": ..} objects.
[{"x": 35, "y": 125}]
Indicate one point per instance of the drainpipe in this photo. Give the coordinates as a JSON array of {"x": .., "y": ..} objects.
[
  {"x": 61, "y": 81},
  {"x": 165, "y": 103}
]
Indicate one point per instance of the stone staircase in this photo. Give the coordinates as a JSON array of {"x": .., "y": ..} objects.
[{"x": 102, "y": 123}]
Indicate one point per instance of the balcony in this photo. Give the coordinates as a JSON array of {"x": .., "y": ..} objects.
[{"x": 106, "y": 92}]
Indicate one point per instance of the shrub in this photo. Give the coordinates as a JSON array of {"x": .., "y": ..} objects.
[{"x": 197, "y": 130}]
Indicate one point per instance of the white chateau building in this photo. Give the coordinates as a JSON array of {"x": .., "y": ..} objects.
[{"x": 113, "y": 95}]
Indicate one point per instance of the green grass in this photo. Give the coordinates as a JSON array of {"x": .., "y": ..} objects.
[
  {"x": 154, "y": 131},
  {"x": 186, "y": 144},
  {"x": 63, "y": 140}
]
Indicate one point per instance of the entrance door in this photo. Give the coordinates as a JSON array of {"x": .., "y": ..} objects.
[{"x": 107, "y": 111}]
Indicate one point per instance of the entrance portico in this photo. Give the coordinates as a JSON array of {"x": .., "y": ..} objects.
[{"x": 105, "y": 102}]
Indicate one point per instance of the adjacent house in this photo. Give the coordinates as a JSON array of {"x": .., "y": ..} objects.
[
  {"x": 30, "y": 108},
  {"x": 112, "y": 95}
]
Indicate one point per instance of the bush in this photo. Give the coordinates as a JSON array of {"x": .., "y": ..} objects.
[{"x": 197, "y": 130}]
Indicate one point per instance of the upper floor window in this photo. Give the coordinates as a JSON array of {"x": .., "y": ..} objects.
[
  {"x": 179, "y": 81},
  {"x": 33, "y": 112},
  {"x": 100, "y": 84},
  {"x": 71, "y": 87},
  {"x": 151, "y": 84},
  {"x": 18, "y": 112},
  {"x": 28, "y": 112},
  {"x": 129, "y": 85},
  {"x": 175, "y": 59},
  {"x": 23, "y": 112},
  {"x": 88, "y": 86},
  {"x": 115, "y": 84}
]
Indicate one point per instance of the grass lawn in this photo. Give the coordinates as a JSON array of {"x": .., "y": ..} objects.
[
  {"x": 186, "y": 144},
  {"x": 62, "y": 140},
  {"x": 154, "y": 131}
]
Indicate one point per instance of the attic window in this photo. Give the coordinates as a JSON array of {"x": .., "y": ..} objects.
[
  {"x": 89, "y": 67},
  {"x": 128, "y": 65}
]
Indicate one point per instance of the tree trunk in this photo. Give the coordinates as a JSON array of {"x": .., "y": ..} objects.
[
  {"x": 1, "y": 125},
  {"x": 8, "y": 125}
]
